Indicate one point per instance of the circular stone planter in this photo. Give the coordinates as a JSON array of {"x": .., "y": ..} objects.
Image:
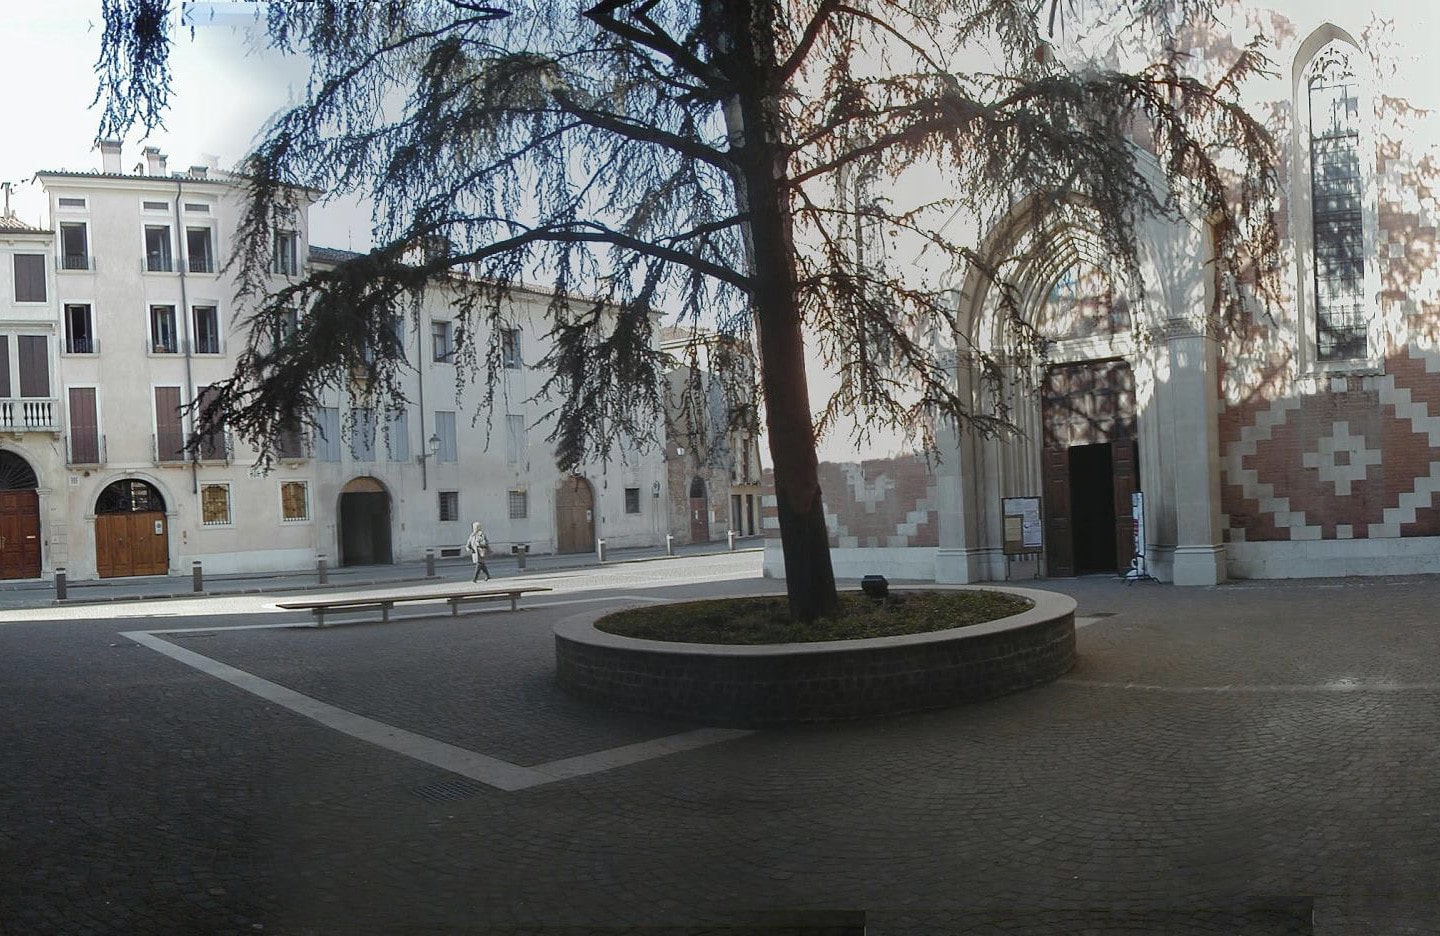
[{"x": 776, "y": 684}]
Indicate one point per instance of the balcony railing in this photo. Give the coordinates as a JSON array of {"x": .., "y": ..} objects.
[
  {"x": 214, "y": 447},
  {"x": 29, "y": 416},
  {"x": 85, "y": 449},
  {"x": 168, "y": 448},
  {"x": 74, "y": 261}
]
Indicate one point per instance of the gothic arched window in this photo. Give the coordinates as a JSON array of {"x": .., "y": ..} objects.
[{"x": 1337, "y": 193}]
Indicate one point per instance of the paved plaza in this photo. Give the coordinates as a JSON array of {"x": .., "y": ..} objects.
[{"x": 1256, "y": 758}]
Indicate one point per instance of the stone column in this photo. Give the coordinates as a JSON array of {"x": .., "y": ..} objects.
[{"x": 1193, "y": 459}]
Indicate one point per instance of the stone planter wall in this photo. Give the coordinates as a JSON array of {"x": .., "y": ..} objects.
[{"x": 753, "y": 686}]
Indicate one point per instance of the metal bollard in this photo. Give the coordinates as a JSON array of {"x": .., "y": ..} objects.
[
  {"x": 320, "y": 569},
  {"x": 670, "y": 544},
  {"x": 731, "y": 535},
  {"x": 600, "y": 549},
  {"x": 197, "y": 577},
  {"x": 520, "y": 551},
  {"x": 429, "y": 563},
  {"x": 61, "y": 588}
]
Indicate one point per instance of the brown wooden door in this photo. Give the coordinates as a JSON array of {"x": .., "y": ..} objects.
[
  {"x": 19, "y": 534},
  {"x": 1123, "y": 470},
  {"x": 1059, "y": 538},
  {"x": 574, "y": 516},
  {"x": 132, "y": 544},
  {"x": 699, "y": 512}
]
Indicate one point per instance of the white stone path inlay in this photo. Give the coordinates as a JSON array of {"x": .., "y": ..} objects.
[{"x": 482, "y": 768}]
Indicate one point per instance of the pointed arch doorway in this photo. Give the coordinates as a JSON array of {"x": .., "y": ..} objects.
[
  {"x": 19, "y": 518},
  {"x": 131, "y": 532}
]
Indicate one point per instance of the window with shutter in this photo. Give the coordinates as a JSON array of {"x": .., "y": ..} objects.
[
  {"x": 84, "y": 427},
  {"x": 169, "y": 430},
  {"x": 29, "y": 277},
  {"x": 34, "y": 366}
]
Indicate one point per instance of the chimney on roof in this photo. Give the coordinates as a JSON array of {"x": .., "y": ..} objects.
[
  {"x": 198, "y": 172},
  {"x": 110, "y": 156},
  {"x": 154, "y": 161}
]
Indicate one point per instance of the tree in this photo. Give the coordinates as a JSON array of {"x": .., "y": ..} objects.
[{"x": 701, "y": 156}]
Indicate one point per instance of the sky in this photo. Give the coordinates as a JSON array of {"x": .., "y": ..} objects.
[{"x": 225, "y": 91}]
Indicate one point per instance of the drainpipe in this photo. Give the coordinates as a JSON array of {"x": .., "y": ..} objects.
[
  {"x": 420, "y": 371},
  {"x": 185, "y": 325}
]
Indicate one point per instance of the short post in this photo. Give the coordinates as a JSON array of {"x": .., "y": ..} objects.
[
  {"x": 61, "y": 588},
  {"x": 320, "y": 569},
  {"x": 600, "y": 549},
  {"x": 197, "y": 577},
  {"x": 670, "y": 544},
  {"x": 520, "y": 549},
  {"x": 429, "y": 563},
  {"x": 731, "y": 535}
]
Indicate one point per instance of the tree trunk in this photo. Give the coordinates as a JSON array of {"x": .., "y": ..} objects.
[{"x": 809, "y": 576}]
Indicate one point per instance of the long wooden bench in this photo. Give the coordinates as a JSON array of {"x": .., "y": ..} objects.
[{"x": 385, "y": 602}]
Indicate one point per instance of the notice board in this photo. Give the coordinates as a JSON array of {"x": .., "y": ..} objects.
[{"x": 1024, "y": 526}]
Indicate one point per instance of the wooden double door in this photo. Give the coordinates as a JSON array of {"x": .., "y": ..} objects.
[
  {"x": 136, "y": 543},
  {"x": 19, "y": 534},
  {"x": 574, "y": 516},
  {"x": 1090, "y": 467}
]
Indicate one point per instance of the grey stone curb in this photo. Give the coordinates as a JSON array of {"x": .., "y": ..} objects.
[{"x": 176, "y": 596}]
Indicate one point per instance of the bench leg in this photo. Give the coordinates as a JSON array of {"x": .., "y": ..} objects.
[
  {"x": 514, "y": 602},
  {"x": 385, "y": 613},
  {"x": 319, "y": 617},
  {"x": 454, "y": 608}
]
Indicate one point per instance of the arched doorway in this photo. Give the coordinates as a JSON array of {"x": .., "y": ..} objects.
[
  {"x": 574, "y": 516},
  {"x": 365, "y": 523},
  {"x": 131, "y": 532},
  {"x": 1089, "y": 466},
  {"x": 19, "y": 518},
  {"x": 699, "y": 512}
]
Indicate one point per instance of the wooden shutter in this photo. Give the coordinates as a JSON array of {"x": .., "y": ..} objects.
[
  {"x": 169, "y": 432},
  {"x": 5, "y": 366},
  {"x": 34, "y": 365},
  {"x": 84, "y": 427},
  {"x": 29, "y": 278},
  {"x": 212, "y": 438}
]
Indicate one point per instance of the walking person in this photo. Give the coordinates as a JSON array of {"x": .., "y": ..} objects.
[{"x": 477, "y": 546}]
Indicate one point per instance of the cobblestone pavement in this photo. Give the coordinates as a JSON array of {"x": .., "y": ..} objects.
[{"x": 1250, "y": 759}]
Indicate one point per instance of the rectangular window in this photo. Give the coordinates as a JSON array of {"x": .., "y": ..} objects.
[
  {"x": 197, "y": 207},
  {"x": 290, "y": 443},
  {"x": 34, "y": 366},
  {"x": 215, "y": 504},
  {"x": 207, "y": 329},
  {"x": 1337, "y": 195},
  {"x": 398, "y": 435},
  {"x": 327, "y": 434},
  {"x": 84, "y": 427},
  {"x": 169, "y": 431},
  {"x": 362, "y": 434},
  {"x": 287, "y": 253},
  {"x": 29, "y": 278},
  {"x": 449, "y": 505},
  {"x": 510, "y": 349},
  {"x": 294, "y": 501},
  {"x": 632, "y": 500},
  {"x": 163, "y": 339},
  {"x": 212, "y": 442},
  {"x": 199, "y": 250},
  {"x": 79, "y": 329},
  {"x": 445, "y": 429},
  {"x": 286, "y": 325},
  {"x": 72, "y": 203},
  {"x": 155, "y": 206},
  {"x": 74, "y": 246},
  {"x": 519, "y": 502},
  {"x": 441, "y": 339},
  {"x": 4, "y": 365},
  {"x": 514, "y": 440},
  {"x": 157, "y": 249}
]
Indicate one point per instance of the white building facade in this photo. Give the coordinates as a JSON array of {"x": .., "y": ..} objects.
[{"x": 119, "y": 315}]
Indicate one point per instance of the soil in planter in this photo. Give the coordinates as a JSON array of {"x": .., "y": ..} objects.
[{"x": 767, "y": 620}]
